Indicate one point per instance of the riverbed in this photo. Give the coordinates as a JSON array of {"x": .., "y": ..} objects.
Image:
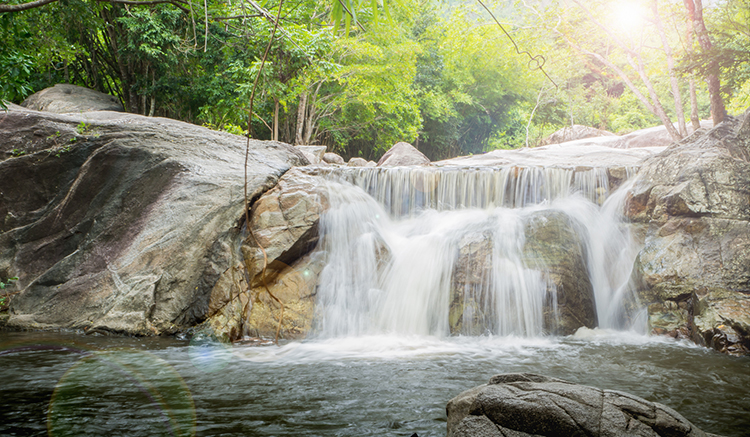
[{"x": 70, "y": 384}]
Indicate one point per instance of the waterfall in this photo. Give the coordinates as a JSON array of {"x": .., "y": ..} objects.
[{"x": 446, "y": 251}]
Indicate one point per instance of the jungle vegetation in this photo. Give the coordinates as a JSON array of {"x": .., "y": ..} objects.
[{"x": 358, "y": 76}]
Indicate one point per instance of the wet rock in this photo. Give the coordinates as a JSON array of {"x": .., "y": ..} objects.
[
  {"x": 694, "y": 269},
  {"x": 403, "y": 154},
  {"x": 284, "y": 222},
  {"x": 126, "y": 225},
  {"x": 554, "y": 246},
  {"x": 526, "y": 404},
  {"x": 552, "y": 253},
  {"x": 64, "y": 98},
  {"x": 332, "y": 158}
]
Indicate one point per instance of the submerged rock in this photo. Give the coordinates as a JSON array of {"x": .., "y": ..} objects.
[
  {"x": 526, "y": 404},
  {"x": 120, "y": 222},
  {"x": 694, "y": 270},
  {"x": 64, "y": 98}
]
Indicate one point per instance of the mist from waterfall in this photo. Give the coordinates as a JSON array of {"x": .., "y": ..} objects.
[{"x": 403, "y": 243}]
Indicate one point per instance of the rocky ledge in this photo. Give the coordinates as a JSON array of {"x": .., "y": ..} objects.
[
  {"x": 692, "y": 203},
  {"x": 530, "y": 405},
  {"x": 122, "y": 223}
]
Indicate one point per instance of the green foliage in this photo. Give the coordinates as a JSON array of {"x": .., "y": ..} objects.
[
  {"x": 8, "y": 281},
  {"x": 438, "y": 74}
]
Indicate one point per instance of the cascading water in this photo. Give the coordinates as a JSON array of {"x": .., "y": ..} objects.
[{"x": 441, "y": 251}]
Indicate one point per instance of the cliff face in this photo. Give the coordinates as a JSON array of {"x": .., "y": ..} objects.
[{"x": 694, "y": 270}]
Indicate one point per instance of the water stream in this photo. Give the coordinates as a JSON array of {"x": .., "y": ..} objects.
[{"x": 349, "y": 386}]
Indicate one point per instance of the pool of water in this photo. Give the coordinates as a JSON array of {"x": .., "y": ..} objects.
[{"x": 67, "y": 384}]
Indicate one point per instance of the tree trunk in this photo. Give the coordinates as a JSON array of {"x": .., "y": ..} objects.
[
  {"x": 679, "y": 113},
  {"x": 153, "y": 93},
  {"x": 694, "y": 117},
  {"x": 275, "y": 136},
  {"x": 695, "y": 15},
  {"x": 124, "y": 77},
  {"x": 298, "y": 139}
]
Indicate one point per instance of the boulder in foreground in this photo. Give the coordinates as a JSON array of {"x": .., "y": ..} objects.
[
  {"x": 123, "y": 223},
  {"x": 530, "y": 405}
]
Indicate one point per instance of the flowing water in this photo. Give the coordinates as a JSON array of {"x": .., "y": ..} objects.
[
  {"x": 383, "y": 358},
  {"x": 393, "y": 239},
  {"x": 350, "y": 386}
]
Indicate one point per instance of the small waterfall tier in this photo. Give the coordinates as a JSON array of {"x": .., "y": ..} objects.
[
  {"x": 472, "y": 251},
  {"x": 409, "y": 190}
]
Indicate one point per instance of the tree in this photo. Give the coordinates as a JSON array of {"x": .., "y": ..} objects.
[{"x": 695, "y": 15}]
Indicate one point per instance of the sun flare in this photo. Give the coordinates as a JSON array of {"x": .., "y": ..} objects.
[{"x": 628, "y": 16}]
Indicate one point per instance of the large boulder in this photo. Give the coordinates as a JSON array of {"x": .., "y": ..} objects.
[
  {"x": 403, "y": 154},
  {"x": 530, "y": 405},
  {"x": 65, "y": 98},
  {"x": 278, "y": 262},
  {"x": 118, "y": 222},
  {"x": 694, "y": 270}
]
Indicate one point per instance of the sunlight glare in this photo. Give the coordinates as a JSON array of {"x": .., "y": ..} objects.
[{"x": 628, "y": 17}]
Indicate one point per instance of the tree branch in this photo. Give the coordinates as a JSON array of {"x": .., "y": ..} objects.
[
  {"x": 38, "y": 3},
  {"x": 24, "y": 6}
]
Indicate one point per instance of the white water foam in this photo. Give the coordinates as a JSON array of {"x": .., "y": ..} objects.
[{"x": 392, "y": 255}]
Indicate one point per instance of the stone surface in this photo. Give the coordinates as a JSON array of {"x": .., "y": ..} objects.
[
  {"x": 65, "y": 98},
  {"x": 333, "y": 158},
  {"x": 694, "y": 270},
  {"x": 402, "y": 154},
  {"x": 126, "y": 224},
  {"x": 526, "y": 404},
  {"x": 567, "y": 155},
  {"x": 284, "y": 222},
  {"x": 575, "y": 132},
  {"x": 314, "y": 154},
  {"x": 357, "y": 162},
  {"x": 552, "y": 247}
]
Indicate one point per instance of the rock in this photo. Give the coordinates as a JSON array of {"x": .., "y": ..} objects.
[
  {"x": 126, "y": 224},
  {"x": 554, "y": 246},
  {"x": 655, "y": 136},
  {"x": 526, "y": 405},
  {"x": 64, "y": 98},
  {"x": 693, "y": 272},
  {"x": 552, "y": 254},
  {"x": 403, "y": 154},
  {"x": 357, "y": 162},
  {"x": 314, "y": 154},
  {"x": 575, "y": 132},
  {"x": 333, "y": 158},
  {"x": 284, "y": 222}
]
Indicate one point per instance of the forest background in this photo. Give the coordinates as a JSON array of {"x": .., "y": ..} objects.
[{"x": 360, "y": 76}]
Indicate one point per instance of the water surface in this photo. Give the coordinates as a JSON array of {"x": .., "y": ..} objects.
[{"x": 363, "y": 386}]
